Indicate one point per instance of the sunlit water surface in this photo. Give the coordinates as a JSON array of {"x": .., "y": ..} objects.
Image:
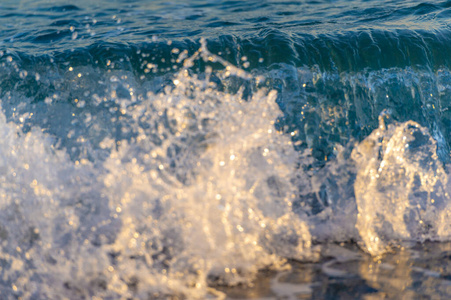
[{"x": 211, "y": 149}]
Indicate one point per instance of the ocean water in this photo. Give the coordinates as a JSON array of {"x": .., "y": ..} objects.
[{"x": 212, "y": 149}]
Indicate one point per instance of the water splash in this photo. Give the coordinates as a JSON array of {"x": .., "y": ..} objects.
[
  {"x": 197, "y": 187},
  {"x": 400, "y": 187},
  {"x": 212, "y": 201},
  {"x": 200, "y": 194}
]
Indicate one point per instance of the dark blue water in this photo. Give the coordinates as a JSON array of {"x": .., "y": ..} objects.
[{"x": 153, "y": 149}]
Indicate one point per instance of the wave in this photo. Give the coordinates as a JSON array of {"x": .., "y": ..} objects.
[
  {"x": 342, "y": 51},
  {"x": 116, "y": 186},
  {"x": 322, "y": 103}
]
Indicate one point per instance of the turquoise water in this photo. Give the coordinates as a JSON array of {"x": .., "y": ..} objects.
[{"x": 156, "y": 149}]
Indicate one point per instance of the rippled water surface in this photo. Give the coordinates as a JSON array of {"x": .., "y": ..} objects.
[{"x": 212, "y": 149}]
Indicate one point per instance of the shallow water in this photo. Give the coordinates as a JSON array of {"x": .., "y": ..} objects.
[
  {"x": 190, "y": 149},
  {"x": 416, "y": 271}
]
